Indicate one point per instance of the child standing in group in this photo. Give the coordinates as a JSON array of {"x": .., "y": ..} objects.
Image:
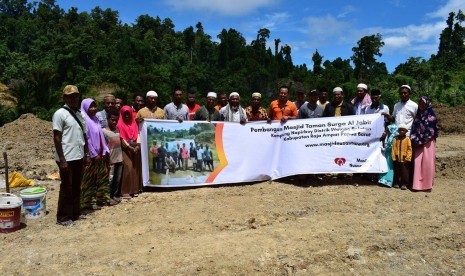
[
  {"x": 387, "y": 178},
  {"x": 113, "y": 139},
  {"x": 402, "y": 156}
]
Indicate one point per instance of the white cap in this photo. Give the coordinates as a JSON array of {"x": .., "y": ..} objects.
[
  {"x": 234, "y": 94},
  {"x": 151, "y": 93},
  {"x": 363, "y": 86},
  {"x": 337, "y": 89},
  {"x": 211, "y": 94},
  {"x": 402, "y": 126},
  {"x": 406, "y": 86}
]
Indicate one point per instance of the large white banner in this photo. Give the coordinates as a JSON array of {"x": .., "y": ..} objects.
[{"x": 223, "y": 152}]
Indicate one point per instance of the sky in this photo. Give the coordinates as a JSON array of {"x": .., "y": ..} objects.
[{"x": 409, "y": 28}]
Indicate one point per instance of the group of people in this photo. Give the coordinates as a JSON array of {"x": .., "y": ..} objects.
[
  {"x": 89, "y": 148},
  {"x": 410, "y": 131},
  {"x": 167, "y": 159},
  {"x": 99, "y": 158}
]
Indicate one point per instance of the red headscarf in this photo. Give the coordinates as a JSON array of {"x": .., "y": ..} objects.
[{"x": 128, "y": 132}]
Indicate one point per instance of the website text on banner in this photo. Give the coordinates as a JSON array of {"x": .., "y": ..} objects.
[{"x": 201, "y": 153}]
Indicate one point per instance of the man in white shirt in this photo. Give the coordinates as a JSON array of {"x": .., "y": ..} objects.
[
  {"x": 233, "y": 111},
  {"x": 404, "y": 111},
  {"x": 103, "y": 115},
  {"x": 362, "y": 100},
  {"x": 323, "y": 98},
  {"x": 71, "y": 154},
  {"x": 376, "y": 105},
  {"x": 176, "y": 110}
]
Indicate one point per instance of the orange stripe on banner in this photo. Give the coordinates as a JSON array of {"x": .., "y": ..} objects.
[{"x": 219, "y": 152}]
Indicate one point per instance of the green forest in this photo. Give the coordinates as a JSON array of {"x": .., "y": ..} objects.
[{"x": 43, "y": 48}]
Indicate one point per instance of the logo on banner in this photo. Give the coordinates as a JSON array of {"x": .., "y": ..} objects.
[{"x": 340, "y": 161}]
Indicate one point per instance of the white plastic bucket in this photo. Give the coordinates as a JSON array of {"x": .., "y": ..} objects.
[
  {"x": 34, "y": 202},
  {"x": 10, "y": 212}
]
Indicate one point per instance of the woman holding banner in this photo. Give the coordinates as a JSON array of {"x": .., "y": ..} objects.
[{"x": 130, "y": 143}]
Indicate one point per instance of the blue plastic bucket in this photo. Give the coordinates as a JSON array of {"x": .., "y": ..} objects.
[{"x": 34, "y": 202}]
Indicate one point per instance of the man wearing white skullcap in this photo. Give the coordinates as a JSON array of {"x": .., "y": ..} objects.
[
  {"x": 233, "y": 112},
  {"x": 404, "y": 111},
  {"x": 151, "y": 111},
  {"x": 151, "y": 93},
  {"x": 338, "y": 107},
  {"x": 208, "y": 112},
  {"x": 362, "y": 100}
]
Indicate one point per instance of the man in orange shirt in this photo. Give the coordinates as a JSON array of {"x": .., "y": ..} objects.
[
  {"x": 282, "y": 109},
  {"x": 222, "y": 100},
  {"x": 192, "y": 105}
]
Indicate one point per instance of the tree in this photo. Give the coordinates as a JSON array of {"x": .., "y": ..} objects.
[
  {"x": 317, "y": 59},
  {"x": 189, "y": 40},
  {"x": 445, "y": 39},
  {"x": 262, "y": 36},
  {"x": 364, "y": 56},
  {"x": 276, "y": 46},
  {"x": 14, "y": 8}
]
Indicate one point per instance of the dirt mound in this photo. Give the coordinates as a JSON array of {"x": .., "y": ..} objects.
[
  {"x": 451, "y": 120},
  {"x": 450, "y": 148},
  {"x": 6, "y": 99},
  {"x": 449, "y": 156},
  {"x": 29, "y": 144}
]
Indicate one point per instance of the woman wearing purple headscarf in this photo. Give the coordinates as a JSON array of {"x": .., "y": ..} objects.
[
  {"x": 95, "y": 191},
  {"x": 423, "y": 136}
]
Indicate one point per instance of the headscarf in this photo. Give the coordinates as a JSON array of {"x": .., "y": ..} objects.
[
  {"x": 366, "y": 101},
  {"x": 425, "y": 124},
  {"x": 393, "y": 133},
  {"x": 95, "y": 139},
  {"x": 128, "y": 132}
]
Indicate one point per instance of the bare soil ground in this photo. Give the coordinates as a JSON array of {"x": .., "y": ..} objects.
[{"x": 292, "y": 227}]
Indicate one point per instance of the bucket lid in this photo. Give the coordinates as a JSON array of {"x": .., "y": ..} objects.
[
  {"x": 8, "y": 201},
  {"x": 33, "y": 191}
]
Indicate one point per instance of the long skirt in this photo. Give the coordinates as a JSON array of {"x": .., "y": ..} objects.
[
  {"x": 424, "y": 166},
  {"x": 95, "y": 187},
  {"x": 131, "y": 180},
  {"x": 388, "y": 177}
]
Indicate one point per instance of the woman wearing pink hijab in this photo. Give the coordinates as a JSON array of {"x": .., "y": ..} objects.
[
  {"x": 130, "y": 143},
  {"x": 95, "y": 189}
]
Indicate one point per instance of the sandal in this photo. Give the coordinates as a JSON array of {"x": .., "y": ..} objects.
[
  {"x": 113, "y": 202},
  {"x": 80, "y": 217},
  {"x": 116, "y": 199},
  {"x": 65, "y": 223},
  {"x": 126, "y": 196}
]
